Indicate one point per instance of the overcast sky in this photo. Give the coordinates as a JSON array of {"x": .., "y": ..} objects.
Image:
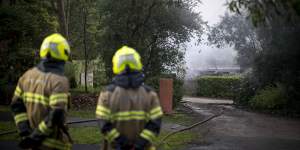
[{"x": 211, "y": 10}]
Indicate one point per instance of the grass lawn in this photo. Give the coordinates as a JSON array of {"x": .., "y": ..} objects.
[
  {"x": 91, "y": 135},
  {"x": 86, "y": 135},
  {"x": 4, "y": 108},
  {"x": 182, "y": 119},
  {"x": 177, "y": 141},
  {"x": 8, "y": 126},
  {"x": 86, "y": 113}
]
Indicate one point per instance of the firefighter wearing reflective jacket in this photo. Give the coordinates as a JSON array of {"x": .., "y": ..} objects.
[
  {"x": 41, "y": 99},
  {"x": 129, "y": 111}
]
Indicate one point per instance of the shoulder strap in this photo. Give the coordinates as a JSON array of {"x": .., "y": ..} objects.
[
  {"x": 110, "y": 87},
  {"x": 148, "y": 88}
]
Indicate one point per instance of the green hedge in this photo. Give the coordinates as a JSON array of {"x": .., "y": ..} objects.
[{"x": 218, "y": 86}]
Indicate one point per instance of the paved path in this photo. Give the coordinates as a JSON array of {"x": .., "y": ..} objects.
[
  {"x": 241, "y": 130},
  {"x": 82, "y": 124},
  {"x": 204, "y": 100}
]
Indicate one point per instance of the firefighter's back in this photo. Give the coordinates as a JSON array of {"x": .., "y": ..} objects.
[
  {"x": 129, "y": 111},
  {"x": 130, "y": 108},
  {"x": 41, "y": 99},
  {"x": 37, "y": 86}
]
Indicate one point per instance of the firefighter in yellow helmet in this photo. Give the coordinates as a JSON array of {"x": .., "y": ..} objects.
[
  {"x": 129, "y": 111},
  {"x": 41, "y": 99}
]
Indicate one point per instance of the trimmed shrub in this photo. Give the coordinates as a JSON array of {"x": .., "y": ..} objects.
[
  {"x": 218, "y": 86},
  {"x": 269, "y": 98}
]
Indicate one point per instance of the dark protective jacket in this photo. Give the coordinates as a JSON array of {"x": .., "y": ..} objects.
[
  {"x": 130, "y": 109},
  {"x": 40, "y": 103}
]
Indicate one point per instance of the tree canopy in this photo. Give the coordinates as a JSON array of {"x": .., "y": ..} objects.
[
  {"x": 265, "y": 35},
  {"x": 157, "y": 29},
  {"x": 237, "y": 31},
  {"x": 23, "y": 27}
]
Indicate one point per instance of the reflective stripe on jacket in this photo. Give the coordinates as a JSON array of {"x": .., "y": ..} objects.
[
  {"x": 41, "y": 92},
  {"x": 129, "y": 110}
]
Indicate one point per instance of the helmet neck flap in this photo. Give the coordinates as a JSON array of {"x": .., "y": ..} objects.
[
  {"x": 129, "y": 80},
  {"x": 51, "y": 65}
]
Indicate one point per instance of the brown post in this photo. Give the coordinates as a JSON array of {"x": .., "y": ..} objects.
[{"x": 166, "y": 95}]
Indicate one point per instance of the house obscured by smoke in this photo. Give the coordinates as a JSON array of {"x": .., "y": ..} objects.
[
  {"x": 211, "y": 61},
  {"x": 219, "y": 71}
]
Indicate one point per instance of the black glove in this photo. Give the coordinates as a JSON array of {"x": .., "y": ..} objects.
[
  {"x": 24, "y": 129},
  {"x": 122, "y": 143},
  {"x": 27, "y": 143},
  {"x": 34, "y": 140},
  {"x": 140, "y": 144}
]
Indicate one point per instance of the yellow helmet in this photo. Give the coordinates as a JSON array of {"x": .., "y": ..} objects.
[
  {"x": 126, "y": 56},
  {"x": 56, "y": 46}
]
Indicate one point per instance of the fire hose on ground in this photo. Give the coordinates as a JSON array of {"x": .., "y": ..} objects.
[
  {"x": 162, "y": 141},
  {"x": 71, "y": 122}
]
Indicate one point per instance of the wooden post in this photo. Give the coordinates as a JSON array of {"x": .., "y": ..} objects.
[{"x": 166, "y": 95}]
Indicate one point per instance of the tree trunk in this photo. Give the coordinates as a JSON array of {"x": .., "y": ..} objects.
[
  {"x": 62, "y": 18},
  {"x": 85, "y": 48},
  {"x": 68, "y": 7}
]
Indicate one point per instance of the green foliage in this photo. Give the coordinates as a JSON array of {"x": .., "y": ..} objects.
[
  {"x": 23, "y": 27},
  {"x": 177, "y": 86},
  {"x": 218, "y": 86},
  {"x": 247, "y": 90},
  {"x": 279, "y": 59},
  {"x": 270, "y": 48},
  {"x": 83, "y": 22},
  {"x": 153, "y": 82},
  {"x": 100, "y": 77},
  {"x": 262, "y": 11},
  {"x": 237, "y": 31},
  {"x": 96, "y": 66},
  {"x": 157, "y": 29},
  {"x": 82, "y": 14},
  {"x": 269, "y": 98},
  {"x": 70, "y": 73},
  {"x": 178, "y": 91},
  {"x": 78, "y": 67}
]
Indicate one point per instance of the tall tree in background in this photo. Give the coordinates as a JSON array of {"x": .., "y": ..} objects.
[
  {"x": 83, "y": 24},
  {"x": 267, "y": 11},
  {"x": 157, "y": 29},
  {"x": 85, "y": 46},
  {"x": 276, "y": 50},
  {"x": 62, "y": 18},
  {"x": 24, "y": 24},
  {"x": 237, "y": 31}
]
